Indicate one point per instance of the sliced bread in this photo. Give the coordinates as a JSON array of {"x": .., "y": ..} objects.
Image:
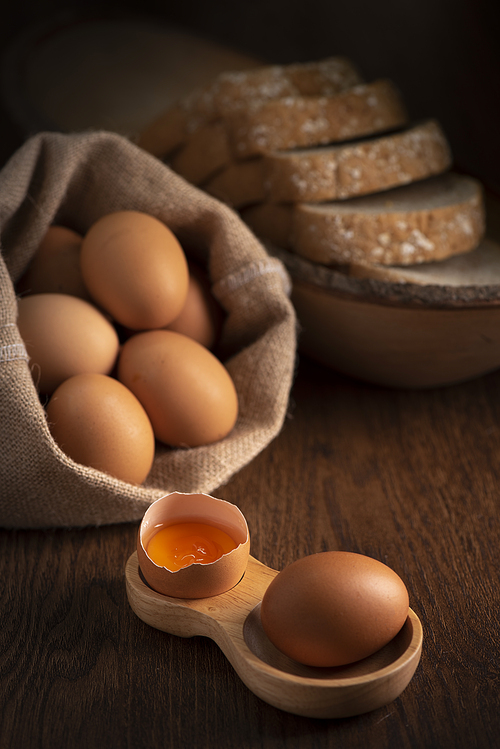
[
  {"x": 239, "y": 184},
  {"x": 233, "y": 90},
  {"x": 424, "y": 221},
  {"x": 479, "y": 267},
  {"x": 475, "y": 280},
  {"x": 335, "y": 172},
  {"x": 204, "y": 153},
  {"x": 299, "y": 121},
  {"x": 285, "y": 123}
]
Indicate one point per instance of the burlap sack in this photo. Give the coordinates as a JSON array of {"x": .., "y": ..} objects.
[{"x": 73, "y": 180}]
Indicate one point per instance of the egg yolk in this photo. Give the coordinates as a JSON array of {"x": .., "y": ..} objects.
[{"x": 178, "y": 546}]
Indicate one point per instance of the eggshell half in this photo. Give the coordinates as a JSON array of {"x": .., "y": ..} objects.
[
  {"x": 334, "y": 608},
  {"x": 197, "y": 580}
]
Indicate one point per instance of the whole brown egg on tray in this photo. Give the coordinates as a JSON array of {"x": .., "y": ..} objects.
[{"x": 192, "y": 574}]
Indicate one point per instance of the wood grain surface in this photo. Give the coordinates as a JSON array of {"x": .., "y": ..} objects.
[{"x": 408, "y": 477}]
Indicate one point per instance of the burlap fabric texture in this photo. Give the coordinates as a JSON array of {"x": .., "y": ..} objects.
[{"x": 73, "y": 179}]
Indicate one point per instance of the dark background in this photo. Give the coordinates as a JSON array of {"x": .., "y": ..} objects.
[
  {"x": 409, "y": 477},
  {"x": 443, "y": 54}
]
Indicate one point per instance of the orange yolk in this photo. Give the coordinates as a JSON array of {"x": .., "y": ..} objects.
[{"x": 178, "y": 546}]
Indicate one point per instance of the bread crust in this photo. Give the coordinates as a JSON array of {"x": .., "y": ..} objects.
[
  {"x": 320, "y": 162},
  {"x": 479, "y": 267},
  {"x": 299, "y": 121},
  {"x": 285, "y": 123},
  {"x": 418, "y": 223},
  {"x": 233, "y": 90},
  {"x": 466, "y": 291},
  {"x": 204, "y": 154},
  {"x": 239, "y": 184},
  {"x": 338, "y": 172},
  {"x": 345, "y": 171}
]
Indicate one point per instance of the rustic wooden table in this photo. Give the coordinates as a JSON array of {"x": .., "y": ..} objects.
[{"x": 408, "y": 477}]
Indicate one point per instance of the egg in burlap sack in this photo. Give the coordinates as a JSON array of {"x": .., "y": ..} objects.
[{"x": 73, "y": 180}]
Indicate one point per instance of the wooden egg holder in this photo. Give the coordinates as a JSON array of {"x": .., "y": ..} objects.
[{"x": 232, "y": 621}]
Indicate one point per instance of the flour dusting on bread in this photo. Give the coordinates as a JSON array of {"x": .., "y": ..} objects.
[{"x": 329, "y": 166}]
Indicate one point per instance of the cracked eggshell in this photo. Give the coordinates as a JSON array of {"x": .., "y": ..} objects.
[{"x": 198, "y": 580}]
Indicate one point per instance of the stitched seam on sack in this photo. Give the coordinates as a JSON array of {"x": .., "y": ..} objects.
[
  {"x": 12, "y": 351},
  {"x": 252, "y": 271}
]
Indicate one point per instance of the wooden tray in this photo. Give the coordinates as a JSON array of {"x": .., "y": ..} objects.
[{"x": 232, "y": 620}]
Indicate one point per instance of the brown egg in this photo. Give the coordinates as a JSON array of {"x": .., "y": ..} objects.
[
  {"x": 99, "y": 423},
  {"x": 65, "y": 336},
  {"x": 55, "y": 268},
  {"x": 187, "y": 392},
  {"x": 334, "y": 608},
  {"x": 198, "y": 579},
  {"x": 135, "y": 269},
  {"x": 201, "y": 316}
]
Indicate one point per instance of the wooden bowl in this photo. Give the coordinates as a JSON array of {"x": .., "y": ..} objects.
[
  {"x": 394, "y": 334},
  {"x": 232, "y": 620}
]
